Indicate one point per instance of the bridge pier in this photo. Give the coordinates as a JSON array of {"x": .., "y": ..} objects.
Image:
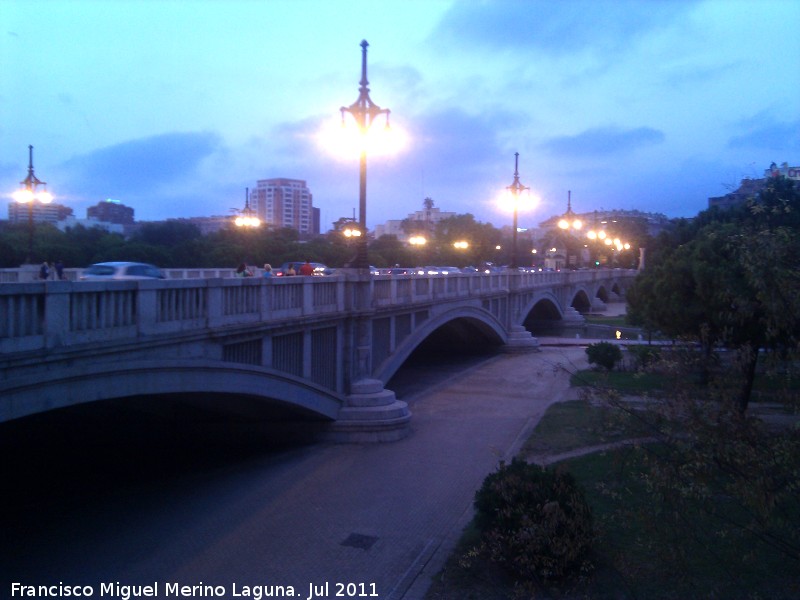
[
  {"x": 370, "y": 413},
  {"x": 572, "y": 317},
  {"x": 521, "y": 340}
]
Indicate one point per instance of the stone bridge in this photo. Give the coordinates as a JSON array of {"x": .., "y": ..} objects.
[{"x": 323, "y": 347}]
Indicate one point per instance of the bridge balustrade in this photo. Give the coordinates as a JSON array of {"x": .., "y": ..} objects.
[
  {"x": 61, "y": 313},
  {"x": 21, "y": 314},
  {"x": 57, "y": 313}
]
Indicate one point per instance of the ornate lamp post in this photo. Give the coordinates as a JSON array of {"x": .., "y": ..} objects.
[
  {"x": 246, "y": 218},
  {"x": 516, "y": 188},
  {"x": 364, "y": 111},
  {"x": 570, "y": 220},
  {"x": 28, "y": 194},
  {"x": 351, "y": 233}
]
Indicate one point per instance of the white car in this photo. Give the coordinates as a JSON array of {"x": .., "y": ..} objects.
[{"x": 120, "y": 270}]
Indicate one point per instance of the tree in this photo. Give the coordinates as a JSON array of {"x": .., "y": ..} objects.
[
  {"x": 733, "y": 283},
  {"x": 387, "y": 251}
]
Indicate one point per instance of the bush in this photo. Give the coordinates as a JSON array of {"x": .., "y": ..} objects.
[
  {"x": 643, "y": 355},
  {"x": 604, "y": 354},
  {"x": 534, "y": 521}
]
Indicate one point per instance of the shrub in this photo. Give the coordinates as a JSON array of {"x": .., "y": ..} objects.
[
  {"x": 604, "y": 354},
  {"x": 534, "y": 521},
  {"x": 644, "y": 355}
]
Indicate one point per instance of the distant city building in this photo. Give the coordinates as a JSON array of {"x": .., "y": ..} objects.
[
  {"x": 749, "y": 188},
  {"x": 285, "y": 203},
  {"x": 426, "y": 218},
  {"x": 111, "y": 211},
  {"x": 39, "y": 212}
]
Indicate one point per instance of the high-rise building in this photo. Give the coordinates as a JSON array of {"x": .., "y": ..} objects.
[
  {"x": 111, "y": 211},
  {"x": 284, "y": 203}
]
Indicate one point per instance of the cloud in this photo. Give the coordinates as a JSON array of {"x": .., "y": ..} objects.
[
  {"x": 603, "y": 141},
  {"x": 141, "y": 166},
  {"x": 769, "y": 135},
  {"x": 554, "y": 27}
]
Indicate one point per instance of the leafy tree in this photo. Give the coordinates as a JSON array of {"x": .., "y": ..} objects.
[
  {"x": 169, "y": 233},
  {"x": 733, "y": 283},
  {"x": 387, "y": 251}
]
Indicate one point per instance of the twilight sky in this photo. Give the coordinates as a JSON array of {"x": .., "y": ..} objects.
[{"x": 174, "y": 107}]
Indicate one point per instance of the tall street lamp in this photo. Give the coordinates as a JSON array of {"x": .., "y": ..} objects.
[
  {"x": 246, "y": 218},
  {"x": 516, "y": 188},
  {"x": 28, "y": 194},
  {"x": 364, "y": 111},
  {"x": 570, "y": 219}
]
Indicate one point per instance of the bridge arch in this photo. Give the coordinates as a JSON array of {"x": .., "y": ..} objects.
[
  {"x": 543, "y": 306},
  {"x": 465, "y": 321},
  {"x": 581, "y": 301},
  {"x": 111, "y": 381}
]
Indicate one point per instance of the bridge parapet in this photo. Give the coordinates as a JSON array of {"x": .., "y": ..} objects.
[{"x": 35, "y": 316}]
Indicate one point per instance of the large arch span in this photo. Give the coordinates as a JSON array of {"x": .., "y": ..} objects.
[{"x": 112, "y": 381}]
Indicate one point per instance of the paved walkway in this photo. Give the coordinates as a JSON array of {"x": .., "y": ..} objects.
[{"x": 385, "y": 514}]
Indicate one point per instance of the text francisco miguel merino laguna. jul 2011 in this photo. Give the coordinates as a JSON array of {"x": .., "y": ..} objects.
[{"x": 119, "y": 591}]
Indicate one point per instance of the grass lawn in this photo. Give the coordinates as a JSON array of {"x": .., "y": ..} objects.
[
  {"x": 625, "y": 382},
  {"x": 633, "y": 558}
]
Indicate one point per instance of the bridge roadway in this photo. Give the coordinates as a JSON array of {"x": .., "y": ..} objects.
[{"x": 323, "y": 347}]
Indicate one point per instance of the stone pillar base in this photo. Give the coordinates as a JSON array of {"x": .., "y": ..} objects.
[
  {"x": 521, "y": 340},
  {"x": 598, "y": 305},
  {"x": 370, "y": 414},
  {"x": 573, "y": 317}
]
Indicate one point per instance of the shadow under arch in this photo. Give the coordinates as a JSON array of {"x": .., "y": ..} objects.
[
  {"x": 458, "y": 328},
  {"x": 581, "y": 301},
  {"x": 544, "y": 310}
]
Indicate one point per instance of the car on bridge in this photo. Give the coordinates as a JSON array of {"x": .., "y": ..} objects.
[
  {"x": 396, "y": 271},
  {"x": 319, "y": 268},
  {"x": 121, "y": 271}
]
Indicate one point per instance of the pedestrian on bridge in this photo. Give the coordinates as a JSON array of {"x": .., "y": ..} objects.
[
  {"x": 243, "y": 271},
  {"x": 306, "y": 268}
]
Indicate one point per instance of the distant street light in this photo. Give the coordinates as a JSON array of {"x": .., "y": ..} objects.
[
  {"x": 351, "y": 232},
  {"x": 461, "y": 245},
  {"x": 570, "y": 220},
  {"x": 364, "y": 111},
  {"x": 28, "y": 194},
  {"x": 417, "y": 240},
  {"x": 246, "y": 218},
  {"x": 516, "y": 188}
]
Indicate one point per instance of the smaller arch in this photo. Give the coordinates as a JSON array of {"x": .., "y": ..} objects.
[
  {"x": 474, "y": 320},
  {"x": 545, "y": 309},
  {"x": 581, "y": 302}
]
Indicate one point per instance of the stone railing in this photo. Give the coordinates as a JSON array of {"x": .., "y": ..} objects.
[{"x": 49, "y": 314}]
